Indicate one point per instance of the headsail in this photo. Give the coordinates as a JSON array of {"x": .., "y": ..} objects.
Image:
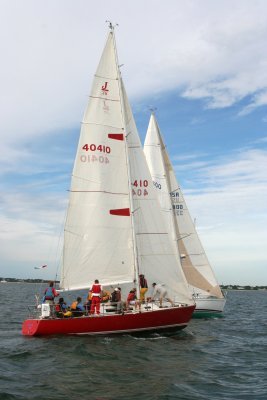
[
  {"x": 196, "y": 266},
  {"x": 156, "y": 256}
]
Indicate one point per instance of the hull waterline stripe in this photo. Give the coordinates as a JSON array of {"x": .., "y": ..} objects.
[{"x": 152, "y": 328}]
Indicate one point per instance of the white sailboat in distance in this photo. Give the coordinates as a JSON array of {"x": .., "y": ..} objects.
[
  {"x": 114, "y": 227},
  {"x": 199, "y": 274}
]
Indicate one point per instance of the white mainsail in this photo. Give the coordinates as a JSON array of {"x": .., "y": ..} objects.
[
  {"x": 97, "y": 243},
  {"x": 196, "y": 266},
  {"x": 114, "y": 227}
]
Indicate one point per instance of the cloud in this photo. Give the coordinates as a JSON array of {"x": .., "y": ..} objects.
[
  {"x": 51, "y": 50},
  {"x": 228, "y": 200},
  {"x": 31, "y": 232},
  {"x": 259, "y": 100},
  {"x": 231, "y": 182}
]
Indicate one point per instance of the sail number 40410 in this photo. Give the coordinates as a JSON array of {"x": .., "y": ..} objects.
[{"x": 95, "y": 147}]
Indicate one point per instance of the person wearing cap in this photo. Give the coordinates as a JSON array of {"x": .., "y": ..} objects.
[
  {"x": 143, "y": 287},
  {"x": 161, "y": 292},
  {"x": 116, "y": 299}
]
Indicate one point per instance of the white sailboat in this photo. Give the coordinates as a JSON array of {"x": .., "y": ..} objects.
[
  {"x": 197, "y": 269},
  {"x": 113, "y": 229}
]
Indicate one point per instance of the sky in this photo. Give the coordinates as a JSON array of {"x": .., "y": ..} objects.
[{"x": 201, "y": 64}]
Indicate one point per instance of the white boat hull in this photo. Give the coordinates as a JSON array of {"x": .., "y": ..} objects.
[{"x": 209, "y": 305}]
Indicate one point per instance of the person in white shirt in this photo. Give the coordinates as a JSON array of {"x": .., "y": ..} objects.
[{"x": 161, "y": 292}]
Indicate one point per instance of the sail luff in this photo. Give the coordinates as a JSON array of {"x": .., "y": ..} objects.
[{"x": 128, "y": 167}]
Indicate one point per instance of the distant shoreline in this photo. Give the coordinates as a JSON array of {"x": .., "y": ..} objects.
[
  {"x": 244, "y": 288},
  {"x": 13, "y": 280}
]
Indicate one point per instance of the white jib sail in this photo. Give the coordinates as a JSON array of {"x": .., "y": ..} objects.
[
  {"x": 98, "y": 233},
  {"x": 157, "y": 259},
  {"x": 196, "y": 266}
]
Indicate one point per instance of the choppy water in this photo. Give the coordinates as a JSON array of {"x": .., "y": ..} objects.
[{"x": 223, "y": 358}]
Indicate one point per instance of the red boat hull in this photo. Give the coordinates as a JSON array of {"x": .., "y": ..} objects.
[{"x": 176, "y": 317}]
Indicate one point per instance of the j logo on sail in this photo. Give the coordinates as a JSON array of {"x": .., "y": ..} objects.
[{"x": 104, "y": 88}]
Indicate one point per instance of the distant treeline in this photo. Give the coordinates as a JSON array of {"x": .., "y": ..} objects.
[
  {"x": 26, "y": 280},
  {"x": 247, "y": 287},
  {"x": 225, "y": 287}
]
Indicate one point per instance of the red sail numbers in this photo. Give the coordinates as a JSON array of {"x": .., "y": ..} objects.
[
  {"x": 140, "y": 187},
  {"x": 94, "y": 147}
]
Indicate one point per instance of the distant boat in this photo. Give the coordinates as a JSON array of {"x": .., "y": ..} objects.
[
  {"x": 197, "y": 269},
  {"x": 3, "y": 281},
  {"x": 114, "y": 227}
]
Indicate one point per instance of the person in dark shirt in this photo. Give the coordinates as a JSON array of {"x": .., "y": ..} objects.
[{"x": 143, "y": 287}]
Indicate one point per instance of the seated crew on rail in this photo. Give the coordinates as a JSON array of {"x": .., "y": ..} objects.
[
  {"x": 105, "y": 296},
  {"x": 116, "y": 300},
  {"x": 88, "y": 302},
  {"x": 77, "y": 308},
  {"x": 61, "y": 309}
]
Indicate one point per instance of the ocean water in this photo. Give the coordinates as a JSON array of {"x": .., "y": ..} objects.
[{"x": 212, "y": 359}]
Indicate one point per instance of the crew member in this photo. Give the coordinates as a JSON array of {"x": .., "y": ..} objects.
[{"x": 96, "y": 297}]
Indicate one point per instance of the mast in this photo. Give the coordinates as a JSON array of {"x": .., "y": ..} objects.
[{"x": 136, "y": 264}]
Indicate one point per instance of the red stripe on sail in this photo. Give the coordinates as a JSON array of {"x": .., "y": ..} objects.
[
  {"x": 116, "y": 136},
  {"x": 124, "y": 212}
]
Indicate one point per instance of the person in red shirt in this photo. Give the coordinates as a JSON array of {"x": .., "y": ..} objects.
[
  {"x": 96, "y": 298},
  {"x": 132, "y": 299}
]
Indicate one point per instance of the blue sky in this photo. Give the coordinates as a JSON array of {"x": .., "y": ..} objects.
[{"x": 202, "y": 64}]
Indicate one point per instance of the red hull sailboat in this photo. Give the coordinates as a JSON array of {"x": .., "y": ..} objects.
[
  {"x": 161, "y": 320},
  {"x": 114, "y": 228}
]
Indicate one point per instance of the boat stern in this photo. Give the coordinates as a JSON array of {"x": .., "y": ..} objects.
[{"x": 30, "y": 327}]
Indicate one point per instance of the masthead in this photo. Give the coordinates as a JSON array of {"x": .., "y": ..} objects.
[{"x": 111, "y": 26}]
